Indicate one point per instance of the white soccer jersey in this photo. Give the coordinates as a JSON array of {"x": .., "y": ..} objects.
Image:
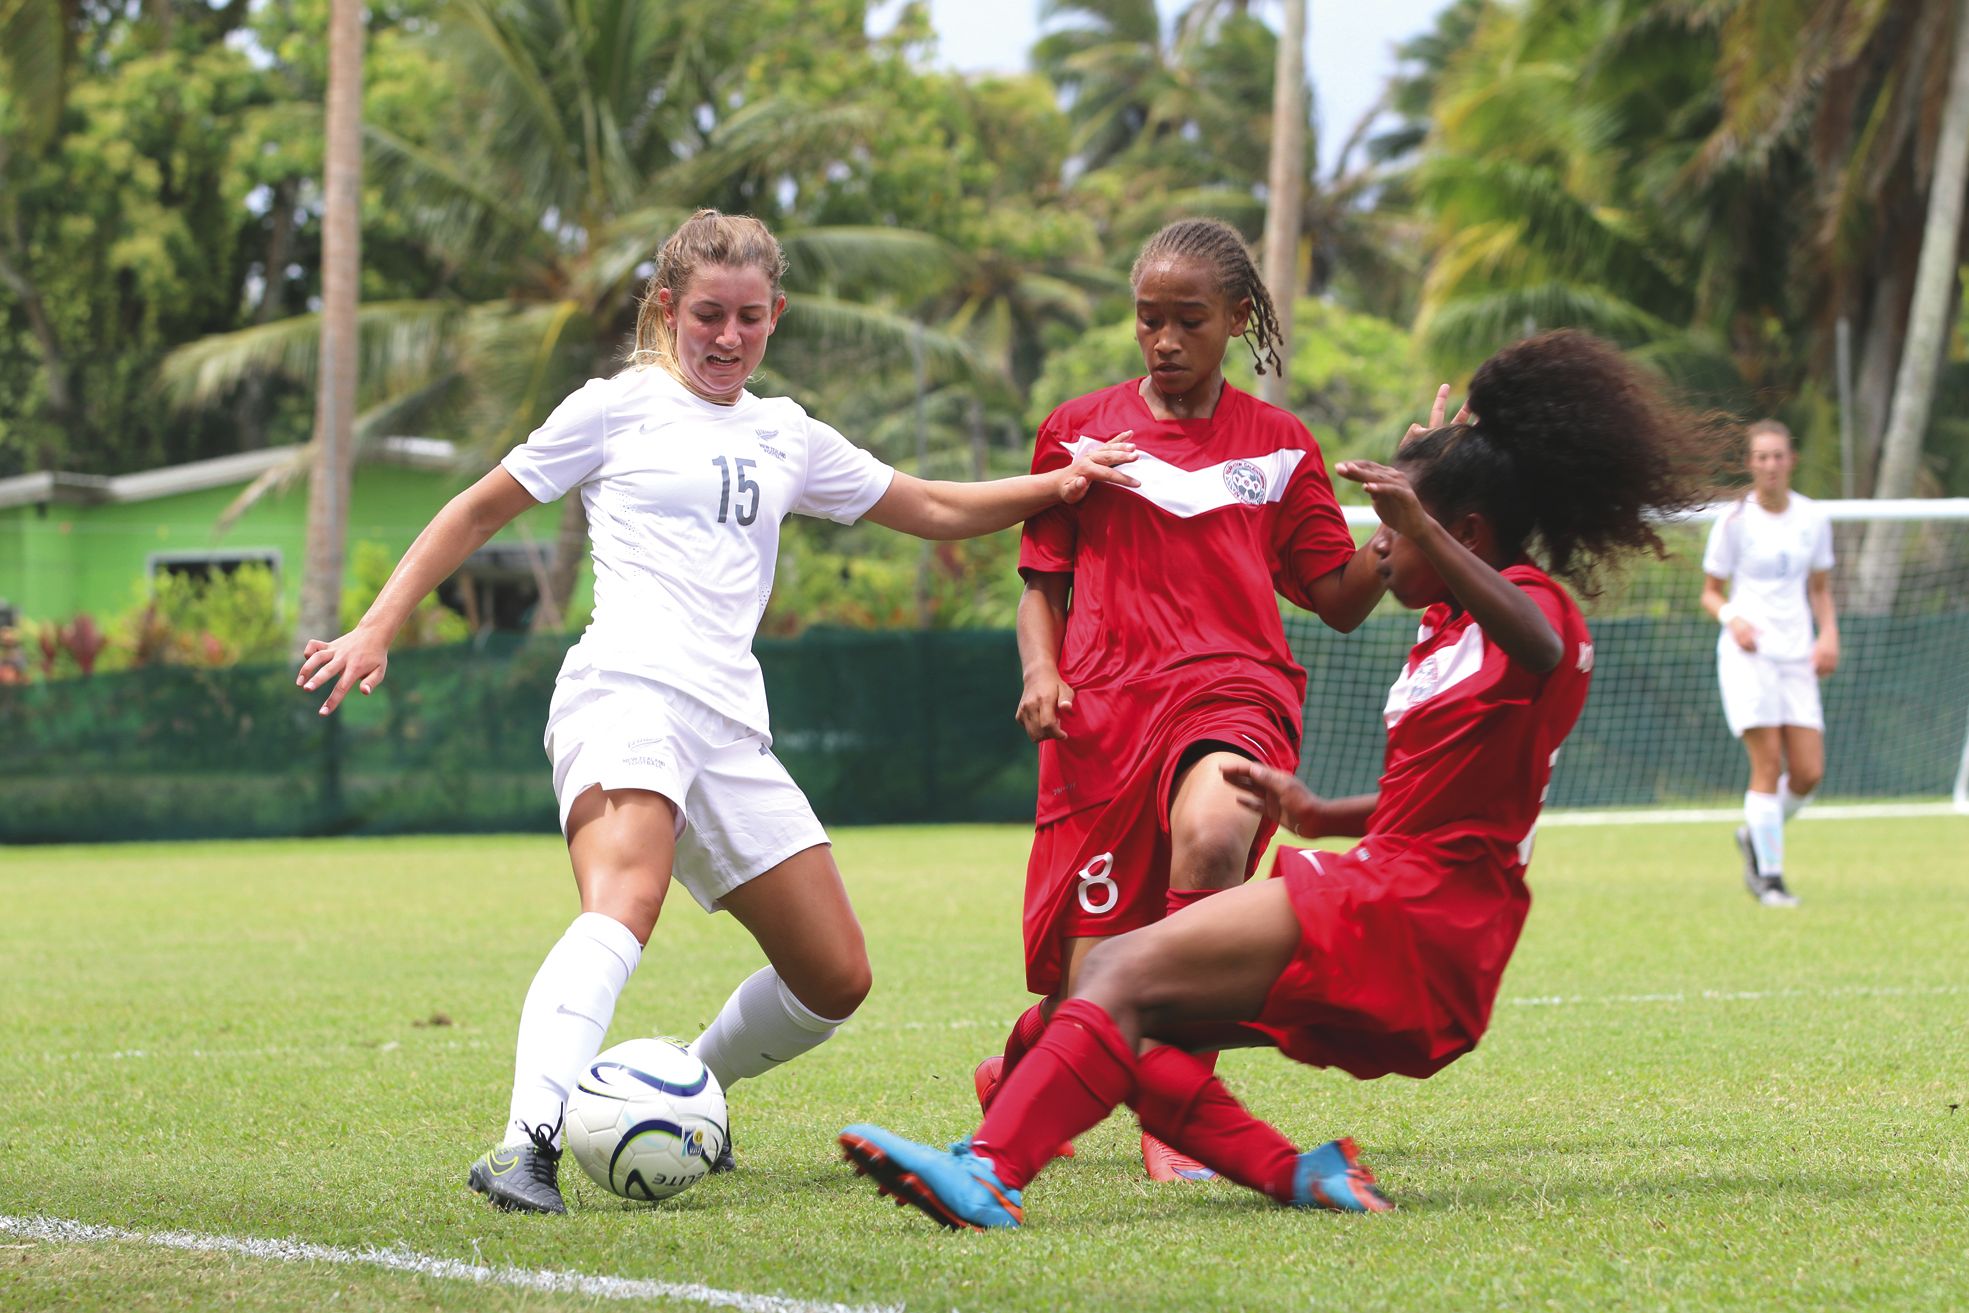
[
  {"x": 684, "y": 500},
  {"x": 1767, "y": 559}
]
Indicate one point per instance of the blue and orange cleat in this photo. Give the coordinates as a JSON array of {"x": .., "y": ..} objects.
[
  {"x": 954, "y": 1187},
  {"x": 1333, "y": 1177}
]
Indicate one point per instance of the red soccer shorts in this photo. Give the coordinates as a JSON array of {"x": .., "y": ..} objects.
[
  {"x": 1104, "y": 870},
  {"x": 1399, "y": 959}
]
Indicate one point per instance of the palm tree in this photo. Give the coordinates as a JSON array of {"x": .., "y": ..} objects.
[
  {"x": 573, "y": 160},
  {"x": 1162, "y": 126},
  {"x": 335, "y": 388},
  {"x": 37, "y": 46},
  {"x": 1857, "y": 89},
  {"x": 1286, "y": 180},
  {"x": 1537, "y": 221},
  {"x": 1935, "y": 288}
]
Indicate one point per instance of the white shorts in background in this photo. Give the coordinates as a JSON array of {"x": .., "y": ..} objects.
[
  {"x": 1759, "y": 692},
  {"x": 739, "y": 814}
]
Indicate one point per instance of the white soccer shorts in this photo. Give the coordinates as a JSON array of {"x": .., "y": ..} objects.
[
  {"x": 1759, "y": 692},
  {"x": 739, "y": 814}
]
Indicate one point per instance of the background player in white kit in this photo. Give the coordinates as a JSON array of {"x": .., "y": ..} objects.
[
  {"x": 1767, "y": 579},
  {"x": 658, "y": 731}
]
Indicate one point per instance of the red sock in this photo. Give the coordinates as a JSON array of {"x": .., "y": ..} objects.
[
  {"x": 1183, "y": 1105},
  {"x": 1075, "y": 1076},
  {"x": 1025, "y": 1033},
  {"x": 1173, "y": 902}
]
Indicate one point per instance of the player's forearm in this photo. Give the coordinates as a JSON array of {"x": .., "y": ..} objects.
[
  {"x": 942, "y": 510},
  {"x": 458, "y": 530},
  {"x": 1713, "y": 597},
  {"x": 1345, "y": 596},
  {"x": 1042, "y": 624},
  {"x": 1346, "y": 818},
  {"x": 1824, "y": 615},
  {"x": 1507, "y": 616}
]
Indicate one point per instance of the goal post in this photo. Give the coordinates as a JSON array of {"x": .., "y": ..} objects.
[{"x": 1652, "y": 734}]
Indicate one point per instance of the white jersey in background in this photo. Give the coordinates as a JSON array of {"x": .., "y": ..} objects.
[
  {"x": 1767, "y": 559},
  {"x": 684, "y": 500}
]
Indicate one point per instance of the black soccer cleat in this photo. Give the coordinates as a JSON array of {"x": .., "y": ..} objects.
[
  {"x": 1775, "y": 894},
  {"x": 524, "y": 1179},
  {"x": 724, "y": 1161},
  {"x": 1753, "y": 878}
]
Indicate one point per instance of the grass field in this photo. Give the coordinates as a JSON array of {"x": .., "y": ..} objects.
[{"x": 1685, "y": 1100}]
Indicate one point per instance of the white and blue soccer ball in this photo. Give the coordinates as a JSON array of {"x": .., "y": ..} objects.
[{"x": 646, "y": 1119}]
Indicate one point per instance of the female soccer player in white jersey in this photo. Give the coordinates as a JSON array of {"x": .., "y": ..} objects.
[
  {"x": 658, "y": 732},
  {"x": 1767, "y": 576}
]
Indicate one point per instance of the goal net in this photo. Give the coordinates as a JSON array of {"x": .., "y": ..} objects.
[{"x": 1652, "y": 734}]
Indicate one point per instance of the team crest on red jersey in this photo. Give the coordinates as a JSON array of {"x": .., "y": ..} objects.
[{"x": 1246, "y": 482}]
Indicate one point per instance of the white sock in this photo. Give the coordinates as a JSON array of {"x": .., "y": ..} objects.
[
  {"x": 566, "y": 1013},
  {"x": 761, "y": 1026},
  {"x": 1764, "y": 815},
  {"x": 1793, "y": 803}
]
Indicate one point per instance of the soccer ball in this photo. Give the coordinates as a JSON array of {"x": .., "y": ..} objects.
[{"x": 646, "y": 1119}]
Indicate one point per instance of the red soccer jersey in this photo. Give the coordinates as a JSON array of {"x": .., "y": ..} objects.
[
  {"x": 1472, "y": 734},
  {"x": 1174, "y": 581}
]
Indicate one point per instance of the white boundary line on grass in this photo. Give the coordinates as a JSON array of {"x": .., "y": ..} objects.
[
  {"x": 65, "y": 1231},
  {"x": 1854, "y": 811},
  {"x": 1731, "y": 995}
]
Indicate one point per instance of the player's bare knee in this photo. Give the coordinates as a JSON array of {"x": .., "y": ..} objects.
[
  {"x": 634, "y": 903},
  {"x": 1119, "y": 975},
  {"x": 836, "y": 989},
  {"x": 1210, "y": 853},
  {"x": 1806, "y": 780}
]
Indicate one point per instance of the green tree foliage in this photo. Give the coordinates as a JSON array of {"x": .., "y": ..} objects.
[
  {"x": 158, "y": 184},
  {"x": 1352, "y": 376}
]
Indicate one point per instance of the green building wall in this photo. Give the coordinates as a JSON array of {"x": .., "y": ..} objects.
[{"x": 58, "y": 559}]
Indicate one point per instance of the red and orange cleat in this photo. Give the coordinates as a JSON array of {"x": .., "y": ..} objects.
[{"x": 1165, "y": 1164}]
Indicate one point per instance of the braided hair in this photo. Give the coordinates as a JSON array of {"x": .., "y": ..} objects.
[
  {"x": 1218, "y": 244},
  {"x": 1575, "y": 449}
]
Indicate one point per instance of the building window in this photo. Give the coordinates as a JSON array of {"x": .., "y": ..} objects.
[
  {"x": 210, "y": 565},
  {"x": 499, "y": 586}
]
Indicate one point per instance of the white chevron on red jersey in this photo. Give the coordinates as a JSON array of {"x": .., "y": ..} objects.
[{"x": 1241, "y": 481}]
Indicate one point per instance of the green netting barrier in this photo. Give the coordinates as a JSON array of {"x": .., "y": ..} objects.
[
  {"x": 876, "y": 726},
  {"x": 891, "y": 726}
]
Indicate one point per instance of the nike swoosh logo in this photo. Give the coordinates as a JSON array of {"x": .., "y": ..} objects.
[
  {"x": 565, "y": 1011},
  {"x": 500, "y": 1168}
]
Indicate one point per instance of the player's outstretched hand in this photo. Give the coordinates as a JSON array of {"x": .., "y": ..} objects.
[
  {"x": 1045, "y": 699},
  {"x": 1393, "y": 496},
  {"x": 355, "y": 660},
  {"x": 1100, "y": 465},
  {"x": 1278, "y": 796},
  {"x": 1436, "y": 413}
]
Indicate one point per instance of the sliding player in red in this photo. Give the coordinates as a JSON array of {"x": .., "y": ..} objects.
[
  {"x": 1150, "y": 632},
  {"x": 1385, "y": 958}
]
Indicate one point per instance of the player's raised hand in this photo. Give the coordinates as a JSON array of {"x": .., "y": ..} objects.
[
  {"x": 1437, "y": 410},
  {"x": 1392, "y": 494},
  {"x": 357, "y": 659},
  {"x": 1045, "y": 699},
  {"x": 1100, "y": 465},
  {"x": 1277, "y": 796}
]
